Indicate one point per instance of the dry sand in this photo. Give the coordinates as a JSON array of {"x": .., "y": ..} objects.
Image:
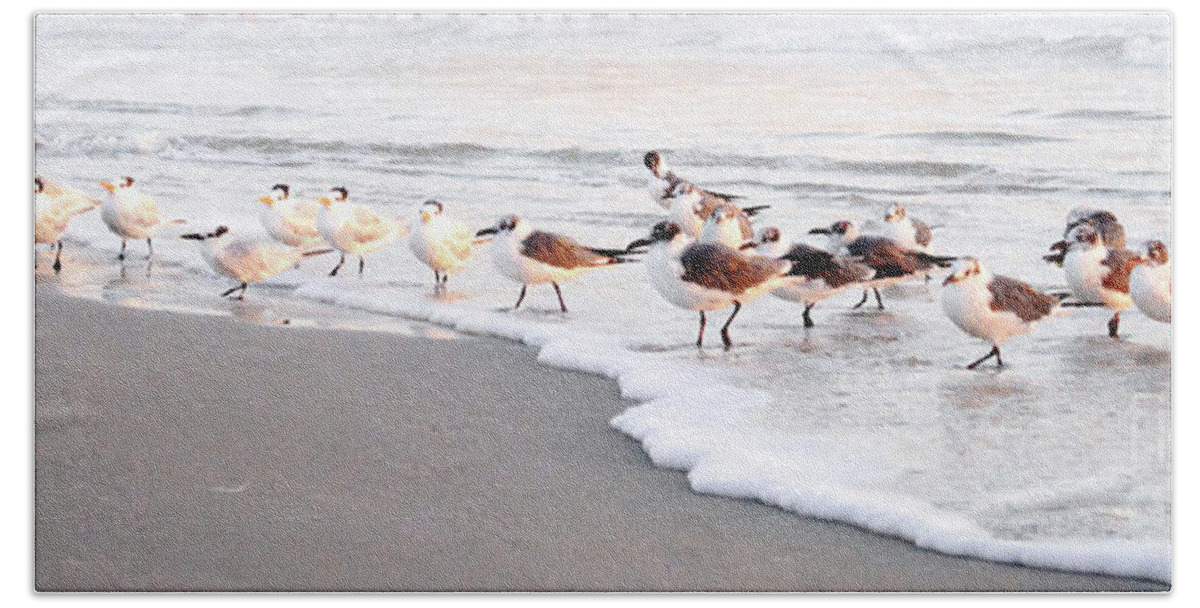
[{"x": 182, "y": 452}]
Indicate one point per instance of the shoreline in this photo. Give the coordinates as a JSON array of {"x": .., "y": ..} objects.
[{"x": 588, "y": 511}]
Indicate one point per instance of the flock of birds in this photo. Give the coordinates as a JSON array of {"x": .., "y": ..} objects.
[{"x": 706, "y": 256}]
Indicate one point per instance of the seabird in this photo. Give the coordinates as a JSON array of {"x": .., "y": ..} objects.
[
  {"x": 1150, "y": 283},
  {"x": 352, "y": 228},
  {"x": 441, "y": 243},
  {"x": 1099, "y": 274},
  {"x": 707, "y": 276},
  {"x": 132, "y": 214},
  {"x": 729, "y": 226},
  {"x": 53, "y": 207},
  {"x": 691, "y": 207},
  {"x": 907, "y": 231},
  {"x": 1112, "y": 233},
  {"x": 992, "y": 307},
  {"x": 891, "y": 262},
  {"x": 823, "y": 273},
  {"x": 531, "y": 257},
  {"x": 290, "y": 220},
  {"x": 247, "y": 260}
]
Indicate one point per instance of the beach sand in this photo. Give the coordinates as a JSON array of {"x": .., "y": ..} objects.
[{"x": 188, "y": 452}]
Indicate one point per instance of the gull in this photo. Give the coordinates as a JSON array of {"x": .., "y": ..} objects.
[
  {"x": 441, "y": 243},
  {"x": 891, "y": 262},
  {"x": 1150, "y": 283},
  {"x": 132, "y": 214},
  {"x": 726, "y": 224},
  {"x": 824, "y": 274},
  {"x": 1111, "y": 232},
  {"x": 992, "y": 307},
  {"x": 691, "y": 207},
  {"x": 707, "y": 276},
  {"x": 905, "y": 230},
  {"x": 53, "y": 207},
  {"x": 1099, "y": 274},
  {"x": 666, "y": 184},
  {"x": 353, "y": 228},
  {"x": 248, "y": 260},
  {"x": 531, "y": 257},
  {"x": 290, "y": 221}
]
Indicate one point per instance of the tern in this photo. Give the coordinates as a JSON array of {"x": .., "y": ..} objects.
[
  {"x": 441, "y": 243},
  {"x": 353, "y": 228},
  {"x": 132, "y": 214},
  {"x": 290, "y": 221},
  {"x": 247, "y": 260},
  {"x": 53, "y": 207}
]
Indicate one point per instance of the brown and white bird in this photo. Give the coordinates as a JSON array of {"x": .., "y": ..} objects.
[
  {"x": 1150, "y": 283},
  {"x": 907, "y": 231},
  {"x": 533, "y": 257},
  {"x": 824, "y": 274},
  {"x": 708, "y": 276},
  {"x": 666, "y": 183},
  {"x": 691, "y": 207},
  {"x": 53, "y": 207},
  {"x": 891, "y": 262},
  {"x": 1098, "y": 274},
  {"x": 992, "y": 307},
  {"x": 1112, "y": 233}
]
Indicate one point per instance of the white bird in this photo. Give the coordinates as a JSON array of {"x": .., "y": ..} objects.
[
  {"x": 354, "y": 229},
  {"x": 708, "y": 276},
  {"x": 132, "y": 214},
  {"x": 1098, "y": 274},
  {"x": 440, "y": 242},
  {"x": 907, "y": 231},
  {"x": 1150, "y": 283},
  {"x": 53, "y": 207},
  {"x": 728, "y": 226},
  {"x": 891, "y": 262},
  {"x": 532, "y": 257},
  {"x": 288, "y": 220},
  {"x": 992, "y": 307},
  {"x": 247, "y": 260},
  {"x": 666, "y": 184},
  {"x": 824, "y": 274}
]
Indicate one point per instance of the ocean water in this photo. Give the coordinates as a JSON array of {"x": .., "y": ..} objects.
[{"x": 990, "y": 127}]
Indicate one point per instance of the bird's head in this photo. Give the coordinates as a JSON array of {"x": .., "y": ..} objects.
[
  {"x": 38, "y": 186},
  {"x": 963, "y": 270},
  {"x": 341, "y": 192},
  {"x": 126, "y": 182},
  {"x": 430, "y": 209},
  {"x": 1155, "y": 253},
  {"x": 895, "y": 213},
  {"x": 768, "y": 234},
  {"x": 662, "y": 232},
  {"x": 507, "y": 223},
  {"x": 284, "y": 191},
  {"x": 653, "y": 161},
  {"x": 843, "y": 230},
  {"x": 1085, "y": 235}
]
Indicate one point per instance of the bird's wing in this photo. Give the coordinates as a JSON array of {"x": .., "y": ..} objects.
[
  {"x": 716, "y": 266},
  {"x": 366, "y": 226},
  {"x": 1020, "y": 298},
  {"x": 560, "y": 251},
  {"x": 302, "y": 220},
  {"x": 145, "y": 210},
  {"x": 460, "y": 241},
  {"x": 1120, "y": 263}
]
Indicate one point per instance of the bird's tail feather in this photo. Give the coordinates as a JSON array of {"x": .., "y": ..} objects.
[
  {"x": 311, "y": 252},
  {"x": 751, "y": 211},
  {"x": 941, "y": 261}
]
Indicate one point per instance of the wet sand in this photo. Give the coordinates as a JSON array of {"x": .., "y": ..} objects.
[{"x": 181, "y": 452}]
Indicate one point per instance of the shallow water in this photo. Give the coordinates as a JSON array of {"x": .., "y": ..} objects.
[{"x": 988, "y": 127}]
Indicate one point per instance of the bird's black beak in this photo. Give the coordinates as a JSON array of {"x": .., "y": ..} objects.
[
  {"x": 639, "y": 243},
  {"x": 820, "y": 231},
  {"x": 193, "y": 236},
  {"x": 1060, "y": 246},
  {"x": 486, "y": 231},
  {"x": 748, "y": 245}
]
